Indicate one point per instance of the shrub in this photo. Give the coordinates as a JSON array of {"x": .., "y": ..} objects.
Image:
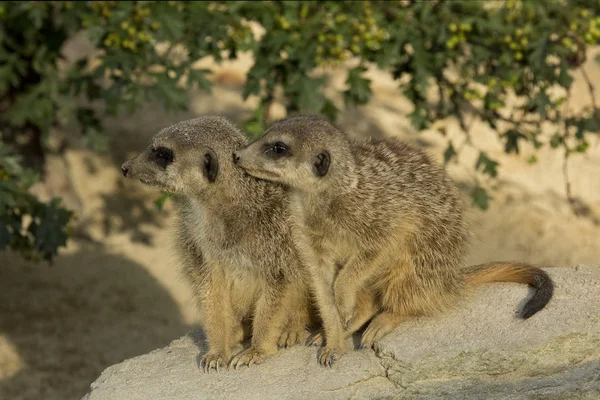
[{"x": 450, "y": 59}]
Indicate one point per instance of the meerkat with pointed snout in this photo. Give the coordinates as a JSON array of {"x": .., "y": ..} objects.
[
  {"x": 233, "y": 239},
  {"x": 377, "y": 216}
]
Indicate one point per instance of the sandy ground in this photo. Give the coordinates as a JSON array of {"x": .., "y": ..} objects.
[{"x": 118, "y": 293}]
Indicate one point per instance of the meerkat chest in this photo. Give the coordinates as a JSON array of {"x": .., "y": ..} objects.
[
  {"x": 316, "y": 228},
  {"x": 217, "y": 241}
]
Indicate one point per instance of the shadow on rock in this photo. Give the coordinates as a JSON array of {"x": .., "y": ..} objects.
[{"x": 95, "y": 309}]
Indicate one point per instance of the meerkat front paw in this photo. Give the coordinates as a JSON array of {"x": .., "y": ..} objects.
[
  {"x": 214, "y": 360},
  {"x": 292, "y": 337},
  {"x": 249, "y": 357},
  {"x": 330, "y": 354}
]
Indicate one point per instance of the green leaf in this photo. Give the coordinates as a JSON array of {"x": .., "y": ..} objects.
[
  {"x": 256, "y": 125},
  {"x": 582, "y": 147},
  {"x": 50, "y": 233},
  {"x": 10, "y": 226},
  {"x": 310, "y": 98},
  {"x": 305, "y": 92},
  {"x": 95, "y": 33},
  {"x": 538, "y": 55},
  {"x": 586, "y": 125},
  {"x": 480, "y": 198},
  {"x": 252, "y": 87},
  {"x": 28, "y": 178},
  {"x": 11, "y": 164},
  {"x": 419, "y": 118},
  {"x": 253, "y": 127},
  {"x": 532, "y": 160},
  {"x": 198, "y": 76},
  {"x": 359, "y": 88},
  {"x": 37, "y": 14},
  {"x": 160, "y": 201},
  {"x": 536, "y": 143},
  {"x": 171, "y": 27},
  {"x": 330, "y": 110},
  {"x": 95, "y": 139},
  {"x": 449, "y": 154},
  {"x": 564, "y": 78},
  {"x": 486, "y": 165},
  {"x": 258, "y": 72},
  {"x": 172, "y": 96},
  {"x": 556, "y": 140},
  {"x": 540, "y": 104}
]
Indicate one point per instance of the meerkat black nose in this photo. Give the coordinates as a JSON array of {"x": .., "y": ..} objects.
[
  {"x": 125, "y": 170},
  {"x": 236, "y": 158}
]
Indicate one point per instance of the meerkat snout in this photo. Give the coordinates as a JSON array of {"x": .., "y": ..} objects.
[
  {"x": 236, "y": 157},
  {"x": 125, "y": 169}
]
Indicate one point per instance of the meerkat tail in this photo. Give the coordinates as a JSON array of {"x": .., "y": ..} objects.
[{"x": 518, "y": 273}]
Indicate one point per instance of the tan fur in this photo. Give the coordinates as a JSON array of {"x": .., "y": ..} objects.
[
  {"x": 233, "y": 239},
  {"x": 378, "y": 216}
]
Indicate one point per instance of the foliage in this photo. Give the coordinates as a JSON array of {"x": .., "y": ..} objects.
[
  {"x": 451, "y": 59},
  {"x": 35, "y": 228},
  {"x": 136, "y": 45}
]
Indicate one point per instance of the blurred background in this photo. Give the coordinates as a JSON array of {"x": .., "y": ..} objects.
[{"x": 504, "y": 93}]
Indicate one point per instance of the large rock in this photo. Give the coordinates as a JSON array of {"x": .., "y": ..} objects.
[{"x": 480, "y": 351}]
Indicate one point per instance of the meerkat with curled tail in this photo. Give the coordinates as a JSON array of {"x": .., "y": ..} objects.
[
  {"x": 378, "y": 216},
  {"x": 233, "y": 239}
]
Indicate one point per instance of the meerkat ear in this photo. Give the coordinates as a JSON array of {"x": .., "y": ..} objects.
[
  {"x": 211, "y": 165},
  {"x": 321, "y": 163}
]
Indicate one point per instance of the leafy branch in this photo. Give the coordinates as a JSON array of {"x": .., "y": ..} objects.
[{"x": 502, "y": 64}]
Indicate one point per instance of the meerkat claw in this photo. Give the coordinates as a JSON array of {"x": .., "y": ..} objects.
[
  {"x": 249, "y": 357},
  {"x": 329, "y": 356},
  {"x": 211, "y": 361}
]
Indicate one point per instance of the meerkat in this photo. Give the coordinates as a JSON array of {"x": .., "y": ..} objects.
[
  {"x": 377, "y": 216},
  {"x": 233, "y": 239}
]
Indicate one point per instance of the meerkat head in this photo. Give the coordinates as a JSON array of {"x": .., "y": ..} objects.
[
  {"x": 187, "y": 157},
  {"x": 302, "y": 152}
]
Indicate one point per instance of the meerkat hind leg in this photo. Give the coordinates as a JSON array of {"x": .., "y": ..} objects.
[
  {"x": 366, "y": 308},
  {"x": 241, "y": 333},
  {"x": 298, "y": 310},
  {"x": 219, "y": 323},
  {"x": 267, "y": 325},
  {"x": 380, "y": 326},
  {"x": 296, "y": 331},
  {"x": 292, "y": 337}
]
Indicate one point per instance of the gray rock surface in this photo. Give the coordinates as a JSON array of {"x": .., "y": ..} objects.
[{"x": 480, "y": 351}]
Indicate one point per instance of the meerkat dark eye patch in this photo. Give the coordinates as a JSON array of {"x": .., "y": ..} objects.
[
  {"x": 276, "y": 150},
  {"x": 210, "y": 165},
  {"x": 321, "y": 164},
  {"x": 163, "y": 156}
]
